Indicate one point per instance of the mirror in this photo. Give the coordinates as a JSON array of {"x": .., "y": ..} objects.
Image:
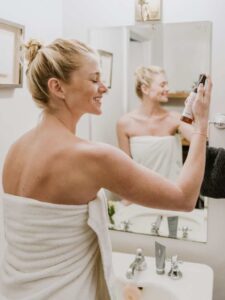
[
  {"x": 11, "y": 59},
  {"x": 183, "y": 50}
]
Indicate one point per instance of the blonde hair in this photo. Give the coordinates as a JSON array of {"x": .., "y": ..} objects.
[
  {"x": 59, "y": 59},
  {"x": 145, "y": 76}
]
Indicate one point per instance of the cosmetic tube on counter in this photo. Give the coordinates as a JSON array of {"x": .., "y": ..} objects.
[
  {"x": 172, "y": 225},
  {"x": 160, "y": 258}
]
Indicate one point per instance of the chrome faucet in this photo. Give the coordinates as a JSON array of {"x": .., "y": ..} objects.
[
  {"x": 174, "y": 272},
  {"x": 139, "y": 264},
  {"x": 156, "y": 225}
]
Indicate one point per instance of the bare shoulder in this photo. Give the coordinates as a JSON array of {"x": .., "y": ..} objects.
[
  {"x": 100, "y": 153},
  {"x": 17, "y": 147},
  {"x": 126, "y": 121}
]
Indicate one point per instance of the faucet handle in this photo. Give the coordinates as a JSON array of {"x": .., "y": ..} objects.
[
  {"x": 174, "y": 272},
  {"x": 125, "y": 224},
  {"x": 185, "y": 229},
  {"x": 139, "y": 252},
  {"x": 174, "y": 261},
  {"x": 140, "y": 258}
]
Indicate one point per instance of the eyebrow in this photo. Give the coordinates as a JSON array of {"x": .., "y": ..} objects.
[
  {"x": 96, "y": 73},
  {"x": 96, "y": 76}
]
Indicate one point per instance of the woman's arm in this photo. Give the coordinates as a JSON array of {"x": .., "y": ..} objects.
[
  {"x": 186, "y": 130},
  {"x": 120, "y": 174}
]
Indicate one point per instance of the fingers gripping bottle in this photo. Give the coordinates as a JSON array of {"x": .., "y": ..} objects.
[{"x": 187, "y": 115}]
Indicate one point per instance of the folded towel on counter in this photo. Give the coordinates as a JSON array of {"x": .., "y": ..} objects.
[
  {"x": 213, "y": 184},
  {"x": 55, "y": 251}
]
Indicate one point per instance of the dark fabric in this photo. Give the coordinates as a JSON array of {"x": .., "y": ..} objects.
[{"x": 213, "y": 184}]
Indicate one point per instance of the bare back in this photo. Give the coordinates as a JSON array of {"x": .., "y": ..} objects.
[{"x": 51, "y": 164}]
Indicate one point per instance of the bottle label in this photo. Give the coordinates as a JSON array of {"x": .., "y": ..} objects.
[{"x": 188, "y": 106}]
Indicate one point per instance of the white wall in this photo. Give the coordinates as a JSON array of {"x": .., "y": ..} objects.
[
  {"x": 113, "y": 40},
  {"x": 79, "y": 16},
  {"x": 42, "y": 20}
]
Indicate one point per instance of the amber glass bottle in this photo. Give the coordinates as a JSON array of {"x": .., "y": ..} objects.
[{"x": 187, "y": 115}]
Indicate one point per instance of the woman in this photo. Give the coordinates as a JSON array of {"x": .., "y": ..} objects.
[
  {"x": 151, "y": 134},
  {"x": 150, "y": 119},
  {"x": 55, "y": 217}
]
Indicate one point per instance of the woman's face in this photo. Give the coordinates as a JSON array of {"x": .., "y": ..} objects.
[
  {"x": 159, "y": 90},
  {"x": 85, "y": 90}
]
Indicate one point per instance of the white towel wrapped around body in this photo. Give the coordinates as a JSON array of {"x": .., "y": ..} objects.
[
  {"x": 55, "y": 251},
  {"x": 162, "y": 154}
]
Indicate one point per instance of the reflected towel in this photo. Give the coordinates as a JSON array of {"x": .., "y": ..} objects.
[
  {"x": 160, "y": 154},
  {"x": 55, "y": 251}
]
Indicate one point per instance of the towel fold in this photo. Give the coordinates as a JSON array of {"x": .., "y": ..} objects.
[
  {"x": 55, "y": 251},
  {"x": 213, "y": 184},
  {"x": 162, "y": 154}
]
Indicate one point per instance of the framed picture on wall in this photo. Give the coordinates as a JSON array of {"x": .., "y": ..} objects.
[
  {"x": 147, "y": 10},
  {"x": 106, "y": 60},
  {"x": 11, "y": 58}
]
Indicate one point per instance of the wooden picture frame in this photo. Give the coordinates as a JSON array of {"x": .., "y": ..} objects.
[
  {"x": 11, "y": 58},
  {"x": 147, "y": 10},
  {"x": 106, "y": 61}
]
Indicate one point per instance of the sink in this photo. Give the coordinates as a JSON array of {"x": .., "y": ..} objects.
[
  {"x": 150, "y": 292},
  {"x": 196, "y": 283},
  {"x": 140, "y": 218}
]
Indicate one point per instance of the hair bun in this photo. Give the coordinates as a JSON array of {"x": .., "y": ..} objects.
[{"x": 31, "y": 49}]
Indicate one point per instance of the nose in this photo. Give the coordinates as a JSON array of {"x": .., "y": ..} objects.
[
  {"x": 167, "y": 88},
  {"x": 102, "y": 87}
]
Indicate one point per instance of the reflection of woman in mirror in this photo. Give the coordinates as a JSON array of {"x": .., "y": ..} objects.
[
  {"x": 151, "y": 134},
  {"x": 57, "y": 243},
  {"x": 148, "y": 134}
]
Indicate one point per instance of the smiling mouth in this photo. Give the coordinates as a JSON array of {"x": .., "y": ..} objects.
[{"x": 98, "y": 100}]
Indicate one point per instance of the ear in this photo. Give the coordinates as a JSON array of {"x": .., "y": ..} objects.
[
  {"x": 55, "y": 87},
  {"x": 144, "y": 89}
]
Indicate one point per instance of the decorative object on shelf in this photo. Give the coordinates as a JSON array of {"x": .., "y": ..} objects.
[
  {"x": 11, "y": 58},
  {"x": 106, "y": 59},
  {"x": 179, "y": 95},
  {"x": 147, "y": 10}
]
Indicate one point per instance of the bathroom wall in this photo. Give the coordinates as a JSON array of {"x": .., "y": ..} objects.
[
  {"x": 42, "y": 20},
  {"x": 80, "y": 16},
  {"x": 113, "y": 40}
]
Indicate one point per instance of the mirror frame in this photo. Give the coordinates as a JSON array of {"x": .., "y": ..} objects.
[{"x": 16, "y": 33}]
